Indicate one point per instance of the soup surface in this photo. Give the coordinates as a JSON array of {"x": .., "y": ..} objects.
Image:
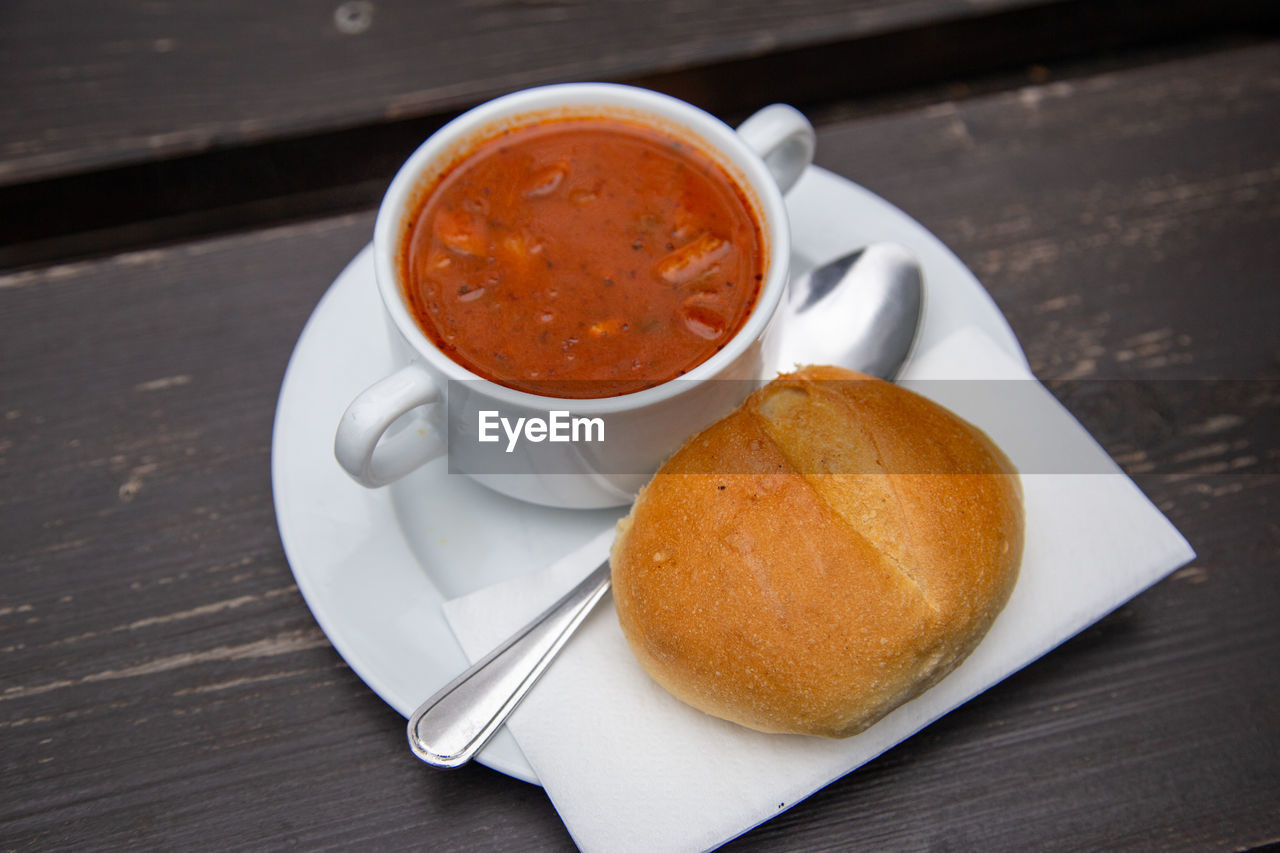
[{"x": 583, "y": 258}]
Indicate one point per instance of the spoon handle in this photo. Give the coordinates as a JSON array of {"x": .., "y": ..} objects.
[{"x": 451, "y": 727}]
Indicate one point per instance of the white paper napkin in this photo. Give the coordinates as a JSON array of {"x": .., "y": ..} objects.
[{"x": 630, "y": 768}]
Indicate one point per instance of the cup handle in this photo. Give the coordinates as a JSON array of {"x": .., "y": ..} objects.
[
  {"x": 361, "y": 445},
  {"x": 783, "y": 138}
]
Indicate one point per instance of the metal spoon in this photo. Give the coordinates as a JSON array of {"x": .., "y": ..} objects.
[{"x": 860, "y": 311}]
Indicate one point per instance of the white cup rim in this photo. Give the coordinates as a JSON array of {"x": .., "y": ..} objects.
[{"x": 724, "y": 144}]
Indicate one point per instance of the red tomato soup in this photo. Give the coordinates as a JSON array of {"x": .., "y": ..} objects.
[{"x": 583, "y": 258}]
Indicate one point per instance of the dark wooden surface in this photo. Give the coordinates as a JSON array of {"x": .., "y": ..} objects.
[
  {"x": 95, "y": 83},
  {"x": 160, "y": 79},
  {"x": 162, "y": 683}
]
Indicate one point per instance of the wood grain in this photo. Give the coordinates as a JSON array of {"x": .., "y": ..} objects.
[
  {"x": 163, "y": 685},
  {"x": 110, "y": 82},
  {"x": 91, "y": 84}
]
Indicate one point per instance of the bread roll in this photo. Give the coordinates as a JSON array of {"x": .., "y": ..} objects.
[{"x": 829, "y": 550}]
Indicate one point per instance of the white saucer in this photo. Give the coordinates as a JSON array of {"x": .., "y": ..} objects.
[{"x": 375, "y": 565}]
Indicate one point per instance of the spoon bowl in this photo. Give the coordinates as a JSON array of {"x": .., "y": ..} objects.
[{"x": 861, "y": 311}]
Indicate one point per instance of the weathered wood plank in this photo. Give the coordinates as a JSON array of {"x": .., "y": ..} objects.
[
  {"x": 162, "y": 683},
  {"x": 1148, "y": 188},
  {"x": 86, "y": 85}
]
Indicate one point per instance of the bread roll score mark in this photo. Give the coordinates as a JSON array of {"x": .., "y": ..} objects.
[
  {"x": 845, "y": 474},
  {"x": 863, "y": 545}
]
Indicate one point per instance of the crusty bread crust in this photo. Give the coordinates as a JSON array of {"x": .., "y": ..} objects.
[{"x": 829, "y": 550}]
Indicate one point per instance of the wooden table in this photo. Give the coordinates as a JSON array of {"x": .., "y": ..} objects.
[{"x": 180, "y": 184}]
